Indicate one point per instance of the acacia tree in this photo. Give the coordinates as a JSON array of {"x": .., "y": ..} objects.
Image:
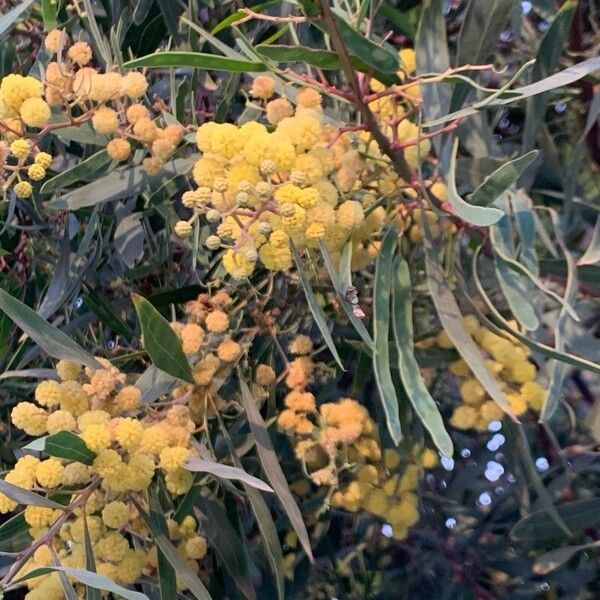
[{"x": 299, "y": 299}]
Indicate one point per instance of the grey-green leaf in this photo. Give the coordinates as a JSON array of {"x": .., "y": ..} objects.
[
  {"x": 199, "y": 465},
  {"x": 7, "y": 20},
  {"x": 272, "y": 467},
  {"x": 381, "y": 330},
  {"x": 14, "y": 492},
  {"x": 410, "y": 374},
  {"x": 82, "y": 170},
  {"x": 50, "y": 339},
  {"x": 161, "y": 342},
  {"x": 70, "y": 446},
  {"x": 314, "y": 306}
]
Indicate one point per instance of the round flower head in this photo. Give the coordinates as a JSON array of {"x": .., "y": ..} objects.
[
  {"x": 43, "y": 159},
  {"x": 105, "y": 120},
  {"x": 115, "y": 514},
  {"x": 183, "y": 229},
  {"x": 61, "y": 420},
  {"x": 49, "y": 473},
  {"x": 136, "y": 112},
  {"x": 30, "y": 418},
  {"x": 134, "y": 85},
  {"x": 35, "y": 112},
  {"x": 20, "y": 148},
  {"x": 119, "y": 149},
  {"x": 23, "y": 189},
  {"x": 309, "y": 98},
  {"x": 52, "y": 40},
  {"x": 229, "y": 350},
  {"x": 263, "y": 87},
  {"x": 80, "y": 53},
  {"x": 217, "y": 321},
  {"x": 36, "y": 172},
  {"x": 277, "y": 110},
  {"x": 48, "y": 393}
]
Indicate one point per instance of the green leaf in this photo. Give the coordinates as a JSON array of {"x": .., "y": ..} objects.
[
  {"x": 314, "y": 306},
  {"x": 404, "y": 21},
  {"x": 381, "y": 331},
  {"x": 66, "y": 444},
  {"x": 382, "y": 59},
  {"x": 271, "y": 466},
  {"x": 25, "y": 497},
  {"x": 592, "y": 252},
  {"x": 196, "y": 60},
  {"x": 494, "y": 185},
  {"x": 99, "y": 42},
  {"x": 452, "y": 322},
  {"x": 431, "y": 47},
  {"x": 193, "y": 583},
  {"x": 155, "y": 383},
  {"x": 120, "y": 183},
  {"x": 477, "y": 215},
  {"x": 49, "y": 14},
  {"x": 167, "y": 579},
  {"x": 410, "y": 374},
  {"x": 547, "y": 60},
  {"x": 215, "y": 525},
  {"x": 91, "y": 593},
  {"x": 88, "y": 578},
  {"x": 161, "y": 342},
  {"x": 322, "y": 59},
  {"x": 13, "y": 528},
  {"x": 199, "y": 465},
  {"x": 82, "y": 170},
  {"x": 240, "y": 14},
  {"x": 540, "y": 527},
  {"x": 7, "y": 20},
  {"x": 556, "y": 558},
  {"x": 356, "y": 321},
  {"x": 170, "y": 14},
  {"x": 53, "y": 341},
  {"x": 482, "y": 25}
]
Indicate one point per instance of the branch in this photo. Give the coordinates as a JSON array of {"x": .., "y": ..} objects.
[{"x": 395, "y": 155}]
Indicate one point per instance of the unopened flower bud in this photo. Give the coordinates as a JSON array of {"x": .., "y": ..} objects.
[
  {"x": 265, "y": 228},
  {"x": 213, "y": 242},
  {"x": 213, "y": 215},
  {"x": 242, "y": 199}
]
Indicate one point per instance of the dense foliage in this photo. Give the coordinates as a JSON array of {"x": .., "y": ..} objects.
[{"x": 299, "y": 299}]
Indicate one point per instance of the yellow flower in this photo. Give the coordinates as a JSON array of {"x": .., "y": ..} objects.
[
  {"x": 23, "y": 189},
  {"x": 263, "y": 87},
  {"x": 217, "y": 321},
  {"x": 60, "y": 420},
  {"x": 36, "y": 172},
  {"x": 229, "y": 350},
  {"x": 35, "y": 112},
  {"x": 350, "y": 214},
  {"x": 196, "y": 547},
  {"x": 105, "y": 120},
  {"x": 80, "y": 53},
  {"x": 115, "y": 514},
  {"x": 309, "y": 98},
  {"x": 237, "y": 265},
  {"x": 134, "y": 85},
  {"x": 119, "y": 149},
  {"x": 49, "y": 473},
  {"x": 30, "y": 418},
  {"x": 278, "y": 109},
  {"x": 43, "y": 159},
  {"x": 48, "y": 393},
  {"x": 52, "y": 40},
  {"x": 128, "y": 433},
  {"x": 173, "y": 458},
  {"x": 179, "y": 481},
  {"x": 275, "y": 259},
  {"x": 264, "y": 375},
  {"x": 20, "y": 148},
  {"x": 96, "y": 437},
  {"x": 463, "y": 417}
]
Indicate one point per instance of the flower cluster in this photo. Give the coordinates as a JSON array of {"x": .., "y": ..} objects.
[
  {"x": 130, "y": 448},
  {"x": 508, "y": 361}
]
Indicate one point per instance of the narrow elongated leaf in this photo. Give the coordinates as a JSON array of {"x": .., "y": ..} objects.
[
  {"x": 592, "y": 253},
  {"x": 51, "y": 340},
  {"x": 356, "y": 321},
  {"x": 66, "y": 444},
  {"x": 67, "y": 586},
  {"x": 13, "y": 528},
  {"x": 7, "y": 20},
  {"x": 155, "y": 383},
  {"x": 556, "y": 558},
  {"x": 95, "y": 580},
  {"x": 451, "y": 319},
  {"x": 322, "y": 59},
  {"x": 431, "y": 49},
  {"x": 199, "y": 465},
  {"x": 540, "y": 527},
  {"x": 477, "y": 215},
  {"x": 315, "y": 307},
  {"x": 501, "y": 179},
  {"x": 161, "y": 342},
  {"x": 382, "y": 292},
  {"x": 191, "y": 580},
  {"x": 14, "y": 492},
  {"x": 547, "y": 61},
  {"x": 120, "y": 183},
  {"x": 271, "y": 465},
  {"x": 91, "y": 593},
  {"x": 215, "y": 525},
  {"x": 404, "y": 21},
  {"x": 49, "y": 14},
  {"x": 410, "y": 374},
  {"x": 240, "y": 14},
  {"x": 82, "y": 170},
  {"x": 196, "y": 60}
]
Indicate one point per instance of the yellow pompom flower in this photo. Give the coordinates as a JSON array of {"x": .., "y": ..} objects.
[
  {"x": 309, "y": 98},
  {"x": 74, "y": 398},
  {"x": 183, "y": 229},
  {"x": 92, "y": 417},
  {"x": 108, "y": 463},
  {"x": 237, "y": 265},
  {"x": 119, "y": 149},
  {"x": 23, "y": 189},
  {"x": 6, "y": 504},
  {"x": 104, "y": 86},
  {"x": 105, "y": 120},
  {"x": 49, "y": 473},
  {"x": 136, "y": 112},
  {"x": 80, "y": 53},
  {"x": 52, "y": 40},
  {"x": 35, "y": 112},
  {"x": 75, "y": 473},
  {"x": 115, "y": 514},
  {"x": 534, "y": 394},
  {"x": 264, "y": 375},
  {"x": 522, "y": 371},
  {"x": 40, "y": 516},
  {"x": 275, "y": 259},
  {"x": 113, "y": 547},
  {"x": 217, "y": 321},
  {"x": 472, "y": 392},
  {"x": 60, "y": 420},
  {"x": 463, "y": 417},
  {"x": 179, "y": 481},
  {"x": 36, "y": 172},
  {"x": 134, "y": 85},
  {"x": 277, "y": 110},
  {"x": 192, "y": 336},
  {"x": 314, "y": 232},
  {"x": 154, "y": 439},
  {"x": 350, "y": 215},
  {"x": 229, "y": 350},
  {"x": 173, "y": 458},
  {"x": 96, "y": 437},
  {"x": 30, "y": 418},
  {"x": 48, "y": 393},
  {"x": 15, "y": 89},
  {"x": 43, "y": 159},
  {"x": 20, "y": 148},
  {"x": 196, "y": 547},
  {"x": 128, "y": 433},
  {"x": 128, "y": 398},
  {"x": 263, "y": 87}
]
